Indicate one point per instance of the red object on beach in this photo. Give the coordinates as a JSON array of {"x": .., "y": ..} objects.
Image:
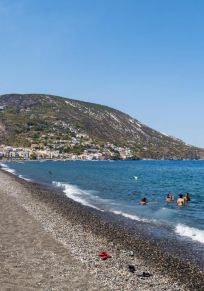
[{"x": 104, "y": 255}]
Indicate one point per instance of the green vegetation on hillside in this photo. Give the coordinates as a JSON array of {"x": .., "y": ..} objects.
[{"x": 73, "y": 126}]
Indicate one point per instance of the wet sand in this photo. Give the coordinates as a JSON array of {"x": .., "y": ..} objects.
[{"x": 49, "y": 242}]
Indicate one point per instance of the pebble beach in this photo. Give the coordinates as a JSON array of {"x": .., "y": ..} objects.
[{"x": 49, "y": 242}]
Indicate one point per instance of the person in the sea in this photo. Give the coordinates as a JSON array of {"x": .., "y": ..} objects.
[
  {"x": 187, "y": 197},
  {"x": 180, "y": 200},
  {"x": 172, "y": 196},
  {"x": 143, "y": 201},
  {"x": 169, "y": 197}
]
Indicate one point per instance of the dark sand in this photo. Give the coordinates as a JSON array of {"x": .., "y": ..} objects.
[
  {"x": 32, "y": 259},
  {"x": 49, "y": 242}
]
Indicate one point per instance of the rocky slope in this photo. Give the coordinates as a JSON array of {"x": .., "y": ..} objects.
[{"x": 38, "y": 118}]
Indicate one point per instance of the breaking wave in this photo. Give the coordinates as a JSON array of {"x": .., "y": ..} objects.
[
  {"x": 7, "y": 169},
  {"x": 84, "y": 197},
  {"x": 130, "y": 216},
  {"x": 89, "y": 198},
  {"x": 12, "y": 171},
  {"x": 190, "y": 232},
  {"x": 24, "y": 178}
]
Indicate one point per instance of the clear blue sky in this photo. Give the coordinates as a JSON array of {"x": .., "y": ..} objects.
[{"x": 143, "y": 57}]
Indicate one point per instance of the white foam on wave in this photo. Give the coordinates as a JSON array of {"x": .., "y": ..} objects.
[
  {"x": 12, "y": 171},
  {"x": 24, "y": 178},
  {"x": 131, "y": 216},
  {"x": 7, "y": 169},
  {"x": 77, "y": 194},
  {"x": 89, "y": 198},
  {"x": 191, "y": 232}
]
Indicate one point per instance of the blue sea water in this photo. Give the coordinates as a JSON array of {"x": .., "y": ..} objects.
[{"x": 118, "y": 186}]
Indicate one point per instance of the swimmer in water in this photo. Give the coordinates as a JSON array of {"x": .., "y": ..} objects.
[
  {"x": 180, "y": 200},
  {"x": 143, "y": 201},
  {"x": 187, "y": 197},
  {"x": 169, "y": 197}
]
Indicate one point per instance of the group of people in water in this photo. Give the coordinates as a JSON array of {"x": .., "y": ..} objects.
[{"x": 182, "y": 199}]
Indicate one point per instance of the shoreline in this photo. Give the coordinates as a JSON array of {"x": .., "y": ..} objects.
[
  {"x": 98, "y": 230},
  {"x": 96, "y": 160}
]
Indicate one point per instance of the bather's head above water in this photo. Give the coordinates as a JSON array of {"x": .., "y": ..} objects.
[{"x": 143, "y": 201}]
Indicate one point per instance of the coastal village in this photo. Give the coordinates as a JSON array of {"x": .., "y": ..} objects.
[
  {"x": 110, "y": 152},
  {"x": 63, "y": 141},
  {"x": 38, "y": 126},
  {"x": 80, "y": 147}
]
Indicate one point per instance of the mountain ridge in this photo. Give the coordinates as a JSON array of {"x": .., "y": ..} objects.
[{"x": 42, "y": 118}]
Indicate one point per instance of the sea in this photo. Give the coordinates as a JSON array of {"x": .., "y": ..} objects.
[{"x": 116, "y": 187}]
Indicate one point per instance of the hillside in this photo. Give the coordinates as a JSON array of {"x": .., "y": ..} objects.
[{"x": 51, "y": 121}]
